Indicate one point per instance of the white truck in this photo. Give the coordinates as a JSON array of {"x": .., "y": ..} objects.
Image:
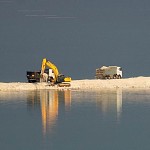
[{"x": 110, "y": 72}]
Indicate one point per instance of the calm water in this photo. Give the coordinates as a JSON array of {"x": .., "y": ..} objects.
[{"x": 75, "y": 120}]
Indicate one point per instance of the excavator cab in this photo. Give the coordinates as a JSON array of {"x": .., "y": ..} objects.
[
  {"x": 63, "y": 78},
  {"x": 60, "y": 78}
]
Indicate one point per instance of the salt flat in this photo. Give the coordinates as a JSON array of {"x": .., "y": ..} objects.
[{"x": 136, "y": 82}]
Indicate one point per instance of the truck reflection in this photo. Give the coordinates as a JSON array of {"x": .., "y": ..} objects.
[
  {"x": 110, "y": 102},
  {"x": 119, "y": 103}
]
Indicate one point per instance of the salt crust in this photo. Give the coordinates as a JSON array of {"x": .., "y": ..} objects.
[{"x": 85, "y": 84}]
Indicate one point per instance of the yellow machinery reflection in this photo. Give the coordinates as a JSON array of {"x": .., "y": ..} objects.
[
  {"x": 50, "y": 107},
  {"x": 49, "y": 102}
]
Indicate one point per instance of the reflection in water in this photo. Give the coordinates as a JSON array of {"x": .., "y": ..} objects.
[
  {"x": 49, "y": 109},
  {"x": 107, "y": 101},
  {"x": 119, "y": 103},
  {"x": 49, "y": 103},
  {"x": 110, "y": 101},
  {"x": 79, "y": 119},
  {"x": 67, "y": 98},
  {"x": 33, "y": 99}
]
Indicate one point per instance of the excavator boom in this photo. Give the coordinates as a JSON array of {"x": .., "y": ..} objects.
[{"x": 43, "y": 65}]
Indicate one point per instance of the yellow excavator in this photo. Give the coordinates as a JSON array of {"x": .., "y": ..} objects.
[{"x": 58, "y": 78}]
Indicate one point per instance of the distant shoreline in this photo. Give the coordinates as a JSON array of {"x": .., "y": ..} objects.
[{"x": 86, "y": 84}]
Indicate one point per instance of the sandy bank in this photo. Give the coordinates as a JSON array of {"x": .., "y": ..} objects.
[{"x": 137, "y": 82}]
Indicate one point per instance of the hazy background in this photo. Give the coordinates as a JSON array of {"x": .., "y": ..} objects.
[{"x": 78, "y": 36}]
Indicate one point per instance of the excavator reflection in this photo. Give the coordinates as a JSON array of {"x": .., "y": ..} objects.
[
  {"x": 50, "y": 107},
  {"x": 49, "y": 102}
]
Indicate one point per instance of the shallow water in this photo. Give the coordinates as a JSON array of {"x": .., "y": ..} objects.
[{"x": 75, "y": 120}]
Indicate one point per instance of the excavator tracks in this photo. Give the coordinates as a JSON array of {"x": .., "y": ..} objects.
[{"x": 64, "y": 84}]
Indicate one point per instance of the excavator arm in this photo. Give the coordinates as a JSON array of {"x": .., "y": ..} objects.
[{"x": 43, "y": 65}]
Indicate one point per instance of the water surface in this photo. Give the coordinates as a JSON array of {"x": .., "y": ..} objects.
[{"x": 76, "y": 120}]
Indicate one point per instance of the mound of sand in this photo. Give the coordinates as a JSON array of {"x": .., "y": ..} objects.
[{"x": 137, "y": 82}]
